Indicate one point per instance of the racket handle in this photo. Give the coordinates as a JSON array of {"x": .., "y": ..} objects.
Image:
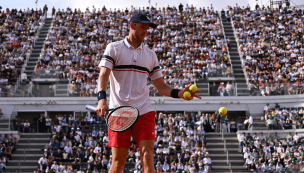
[
  {"x": 90, "y": 107},
  {"x": 93, "y": 108}
]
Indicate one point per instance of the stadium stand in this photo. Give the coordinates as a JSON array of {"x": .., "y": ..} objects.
[
  {"x": 18, "y": 32},
  {"x": 190, "y": 45},
  {"x": 82, "y": 143},
  {"x": 272, "y": 153},
  {"x": 182, "y": 143},
  {"x": 8, "y": 144},
  {"x": 21, "y": 37},
  {"x": 270, "y": 46},
  {"x": 283, "y": 117}
]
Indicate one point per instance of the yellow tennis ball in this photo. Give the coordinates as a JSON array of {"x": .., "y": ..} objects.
[
  {"x": 222, "y": 111},
  {"x": 193, "y": 88},
  {"x": 187, "y": 94}
]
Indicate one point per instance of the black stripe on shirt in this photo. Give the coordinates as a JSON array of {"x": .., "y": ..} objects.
[
  {"x": 155, "y": 68},
  {"x": 135, "y": 67},
  {"x": 109, "y": 58}
]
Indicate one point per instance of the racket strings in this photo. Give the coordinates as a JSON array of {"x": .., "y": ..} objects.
[{"x": 122, "y": 118}]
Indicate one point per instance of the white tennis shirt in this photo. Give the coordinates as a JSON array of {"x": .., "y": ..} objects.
[{"x": 130, "y": 69}]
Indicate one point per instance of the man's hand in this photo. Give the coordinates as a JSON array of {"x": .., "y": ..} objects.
[
  {"x": 102, "y": 107},
  {"x": 193, "y": 94}
]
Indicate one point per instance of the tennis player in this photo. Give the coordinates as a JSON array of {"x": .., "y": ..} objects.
[{"x": 128, "y": 64}]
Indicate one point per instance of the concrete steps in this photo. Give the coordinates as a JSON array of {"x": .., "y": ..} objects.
[
  {"x": 243, "y": 168},
  {"x": 202, "y": 85},
  {"x": 218, "y": 154},
  {"x": 259, "y": 124},
  {"x": 29, "y": 150},
  {"x": 6, "y": 124},
  {"x": 235, "y": 60},
  {"x": 39, "y": 44}
]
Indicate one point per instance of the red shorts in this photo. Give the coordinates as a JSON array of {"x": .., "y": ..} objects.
[{"x": 143, "y": 129}]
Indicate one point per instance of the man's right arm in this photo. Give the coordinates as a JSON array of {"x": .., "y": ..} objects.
[{"x": 102, "y": 85}]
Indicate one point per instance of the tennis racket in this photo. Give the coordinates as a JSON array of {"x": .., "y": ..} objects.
[{"x": 119, "y": 119}]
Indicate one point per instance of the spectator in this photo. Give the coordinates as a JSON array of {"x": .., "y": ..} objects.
[
  {"x": 42, "y": 160},
  {"x": 221, "y": 89},
  {"x": 213, "y": 89},
  {"x": 225, "y": 124},
  {"x": 23, "y": 87},
  {"x": 233, "y": 126},
  {"x": 53, "y": 11},
  {"x": 229, "y": 89},
  {"x": 246, "y": 123},
  {"x": 26, "y": 126},
  {"x": 45, "y": 9},
  {"x": 41, "y": 166},
  {"x": 42, "y": 123}
]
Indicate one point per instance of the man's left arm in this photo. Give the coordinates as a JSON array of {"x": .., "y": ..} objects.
[{"x": 166, "y": 90}]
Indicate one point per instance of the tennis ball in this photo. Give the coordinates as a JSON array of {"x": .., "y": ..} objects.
[
  {"x": 222, "y": 111},
  {"x": 193, "y": 88},
  {"x": 187, "y": 94}
]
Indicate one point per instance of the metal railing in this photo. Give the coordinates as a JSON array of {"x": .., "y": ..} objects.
[
  {"x": 227, "y": 154},
  {"x": 219, "y": 73},
  {"x": 236, "y": 90},
  {"x": 226, "y": 149},
  {"x": 221, "y": 130},
  {"x": 296, "y": 90},
  {"x": 24, "y": 150},
  {"x": 9, "y": 123}
]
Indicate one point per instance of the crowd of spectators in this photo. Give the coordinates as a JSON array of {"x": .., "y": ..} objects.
[
  {"x": 80, "y": 143},
  {"x": 188, "y": 42},
  {"x": 8, "y": 143},
  {"x": 271, "y": 153},
  {"x": 18, "y": 30},
  {"x": 283, "y": 118},
  {"x": 271, "y": 48}
]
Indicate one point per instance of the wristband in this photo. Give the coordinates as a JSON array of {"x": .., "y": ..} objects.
[
  {"x": 101, "y": 95},
  {"x": 174, "y": 93}
]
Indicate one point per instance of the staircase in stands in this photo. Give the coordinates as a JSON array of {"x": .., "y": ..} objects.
[
  {"x": 258, "y": 123},
  {"x": 34, "y": 57},
  {"x": 218, "y": 152},
  {"x": 62, "y": 88},
  {"x": 202, "y": 85},
  {"x": 36, "y": 50},
  {"x": 6, "y": 124},
  {"x": 28, "y": 151},
  {"x": 242, "y": 87}
]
